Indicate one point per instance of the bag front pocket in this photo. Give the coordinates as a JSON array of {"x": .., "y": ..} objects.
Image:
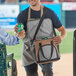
[{"x": 47, "y": 52}]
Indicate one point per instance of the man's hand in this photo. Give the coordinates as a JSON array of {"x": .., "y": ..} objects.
[
  {"x": 57, "y": 40},
  {"x": 21, "y": 34},
  {"x": 16, "y": 28}
]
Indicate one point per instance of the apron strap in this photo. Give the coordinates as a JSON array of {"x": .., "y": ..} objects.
[
  {"x": 29, "y": 13},
  {"x": 41, "y": 11}
]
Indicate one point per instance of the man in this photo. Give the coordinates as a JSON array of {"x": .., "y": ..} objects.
[
  {"x": 30, "y": 19},
  {"x": 8, "y": 39}
]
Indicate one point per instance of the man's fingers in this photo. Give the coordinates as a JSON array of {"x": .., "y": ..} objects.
[
  {"x": 57, "y": 40},
  {"x": 21, "y": 34},
  {"x": 16, "y": 28},
  {"x": 57, "y": 43}
]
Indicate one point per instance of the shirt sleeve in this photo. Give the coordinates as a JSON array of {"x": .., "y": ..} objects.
[
  {"x": 55, "y": 20},
  {"x": 8, "y": 39}
]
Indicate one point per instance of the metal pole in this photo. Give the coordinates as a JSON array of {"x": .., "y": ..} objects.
[{"x": 74, "y": 54}]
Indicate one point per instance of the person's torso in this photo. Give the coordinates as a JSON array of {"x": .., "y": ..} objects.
[{"x": 46, "y": 28}]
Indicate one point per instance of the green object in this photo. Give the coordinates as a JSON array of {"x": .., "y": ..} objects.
[
  {"x": 9, "y": 63},
  {"x": 3, "y": 72},
  {"x": 20, "y": 25},
  {"x": 3, "y": 53},
  {"x": 45, "y": 38},
  {"x": 6, "y": 61}
]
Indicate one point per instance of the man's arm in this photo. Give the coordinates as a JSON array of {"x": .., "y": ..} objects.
[
  {"x": 58, "y": 39},
  {"x": 63, "y": 32},
  {"x": 8, "y": 39}
]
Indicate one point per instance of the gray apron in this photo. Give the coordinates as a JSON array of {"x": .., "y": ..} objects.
[{"x": 46, "y": 30}]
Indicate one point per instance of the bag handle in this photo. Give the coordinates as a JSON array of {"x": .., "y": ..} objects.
[
  {"x": 40, "y": 22},
  {"x": 40, "y": 45}
]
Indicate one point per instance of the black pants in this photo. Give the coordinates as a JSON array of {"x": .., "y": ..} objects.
[{"x": 31, "y": 70}]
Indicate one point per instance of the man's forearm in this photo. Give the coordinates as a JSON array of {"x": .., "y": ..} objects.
[{"x": 63, "y": 32}]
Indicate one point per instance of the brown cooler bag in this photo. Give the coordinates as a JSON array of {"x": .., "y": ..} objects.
[{"x": 46, "y": 51}]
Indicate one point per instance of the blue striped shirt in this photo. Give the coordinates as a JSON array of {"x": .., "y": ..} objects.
[{"x": 8, "y": 39}]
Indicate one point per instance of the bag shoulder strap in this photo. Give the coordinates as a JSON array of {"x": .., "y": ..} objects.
[{"x": 40, "y": 22}]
